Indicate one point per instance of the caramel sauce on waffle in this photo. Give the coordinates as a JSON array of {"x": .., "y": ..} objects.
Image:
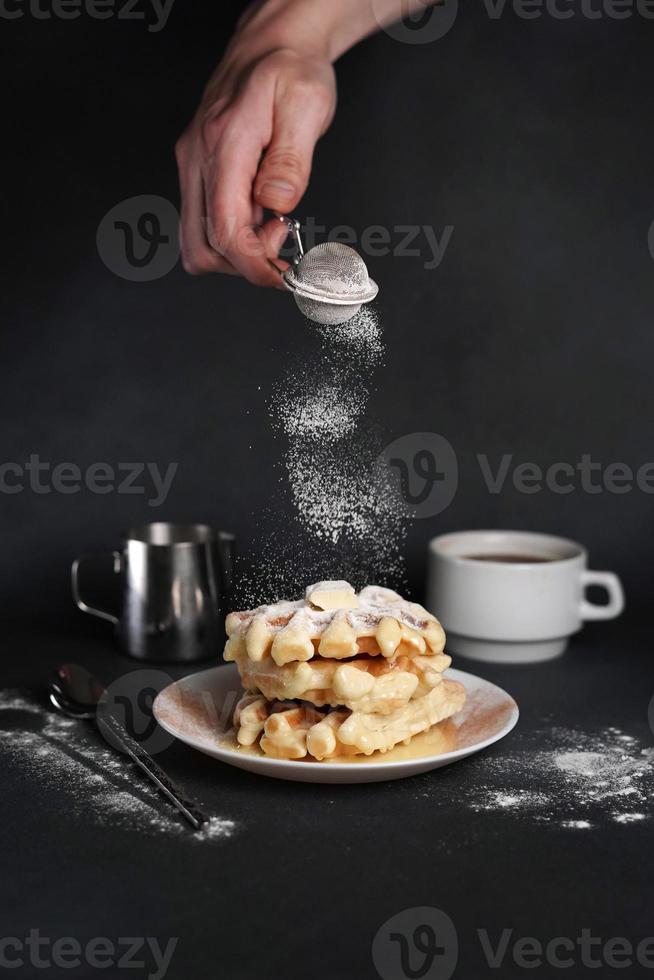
[{"x": 441, "y": 738}]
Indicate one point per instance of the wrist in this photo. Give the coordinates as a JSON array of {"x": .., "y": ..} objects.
[{"x": 314, "y": 28}]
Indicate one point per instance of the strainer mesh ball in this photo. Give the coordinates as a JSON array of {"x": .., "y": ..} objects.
[
  {"x": 331, "y": 283},
  {"x": 327, "y": 314},
  {"x": 334, "y": 268}
]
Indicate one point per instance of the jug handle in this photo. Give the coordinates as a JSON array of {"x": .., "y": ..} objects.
[
  {"x": 226, "y": 550},
  {"x": 77, "y": 596}
]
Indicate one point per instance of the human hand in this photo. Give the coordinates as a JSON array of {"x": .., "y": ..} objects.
[{"x": 250, "y": 146}]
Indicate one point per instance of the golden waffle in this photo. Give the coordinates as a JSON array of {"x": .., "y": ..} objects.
[
  {"x": 296, "y": 731},
  {"x": 376, "y": 621},
  {"x": 368, "y": 684}
]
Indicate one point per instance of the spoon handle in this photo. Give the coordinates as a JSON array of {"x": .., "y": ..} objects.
[{"x": 146, "y": 763}]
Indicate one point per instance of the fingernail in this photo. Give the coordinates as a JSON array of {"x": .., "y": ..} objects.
[{"x": 278, "y": 188}]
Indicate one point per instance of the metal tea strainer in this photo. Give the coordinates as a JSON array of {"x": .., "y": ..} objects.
[{"x": 330, "y": 282}]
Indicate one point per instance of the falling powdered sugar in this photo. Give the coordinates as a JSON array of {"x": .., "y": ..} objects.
[
  {"x": 339, "y": 497},
  {"x": 69, "y": 757},
  {"x": 326, "y": 413},
  {"x": 359, "y": 337},
  {"x": 342, "y": 516}
]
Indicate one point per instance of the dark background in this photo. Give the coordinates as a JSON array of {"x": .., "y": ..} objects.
[{"x": 534, "y": 337}]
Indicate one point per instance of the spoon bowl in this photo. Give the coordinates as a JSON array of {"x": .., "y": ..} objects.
[{"x": 77, "y": 693}]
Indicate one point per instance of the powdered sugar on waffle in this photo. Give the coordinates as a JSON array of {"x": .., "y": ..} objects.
[{"x": 375, "y": 603}]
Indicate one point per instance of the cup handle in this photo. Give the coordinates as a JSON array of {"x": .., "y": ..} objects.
[
  {"x": 74, "y": 579},
  {"x": 613, "y": 586}
]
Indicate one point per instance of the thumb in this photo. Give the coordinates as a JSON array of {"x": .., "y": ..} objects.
[{"x": 286, "y": 167}]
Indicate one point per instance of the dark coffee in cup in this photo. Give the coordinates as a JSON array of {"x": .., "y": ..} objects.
[
  {"x": 511, "y": 559},
  {"x": 513, "y": 596}
]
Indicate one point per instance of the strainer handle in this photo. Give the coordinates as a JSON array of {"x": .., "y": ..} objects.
[{"x": 293, "y": 227}]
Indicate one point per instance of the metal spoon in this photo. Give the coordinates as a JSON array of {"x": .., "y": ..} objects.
[{"x": 76, "y": 693}]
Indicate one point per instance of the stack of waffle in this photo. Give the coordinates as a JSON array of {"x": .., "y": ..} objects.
[{"x": 339, "y": 674}]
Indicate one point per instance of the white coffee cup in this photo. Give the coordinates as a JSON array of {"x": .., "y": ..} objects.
[{"x": 513, "y": 596}]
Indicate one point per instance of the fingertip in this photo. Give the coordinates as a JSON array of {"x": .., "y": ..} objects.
[
  {"x": 277, "y": 195},
  {"x": 274, "y": 233},
  {"x": 264, "y": 275}
]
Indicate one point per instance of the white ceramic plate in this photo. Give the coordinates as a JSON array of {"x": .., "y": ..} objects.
[{"x": 198, "y": 710}]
